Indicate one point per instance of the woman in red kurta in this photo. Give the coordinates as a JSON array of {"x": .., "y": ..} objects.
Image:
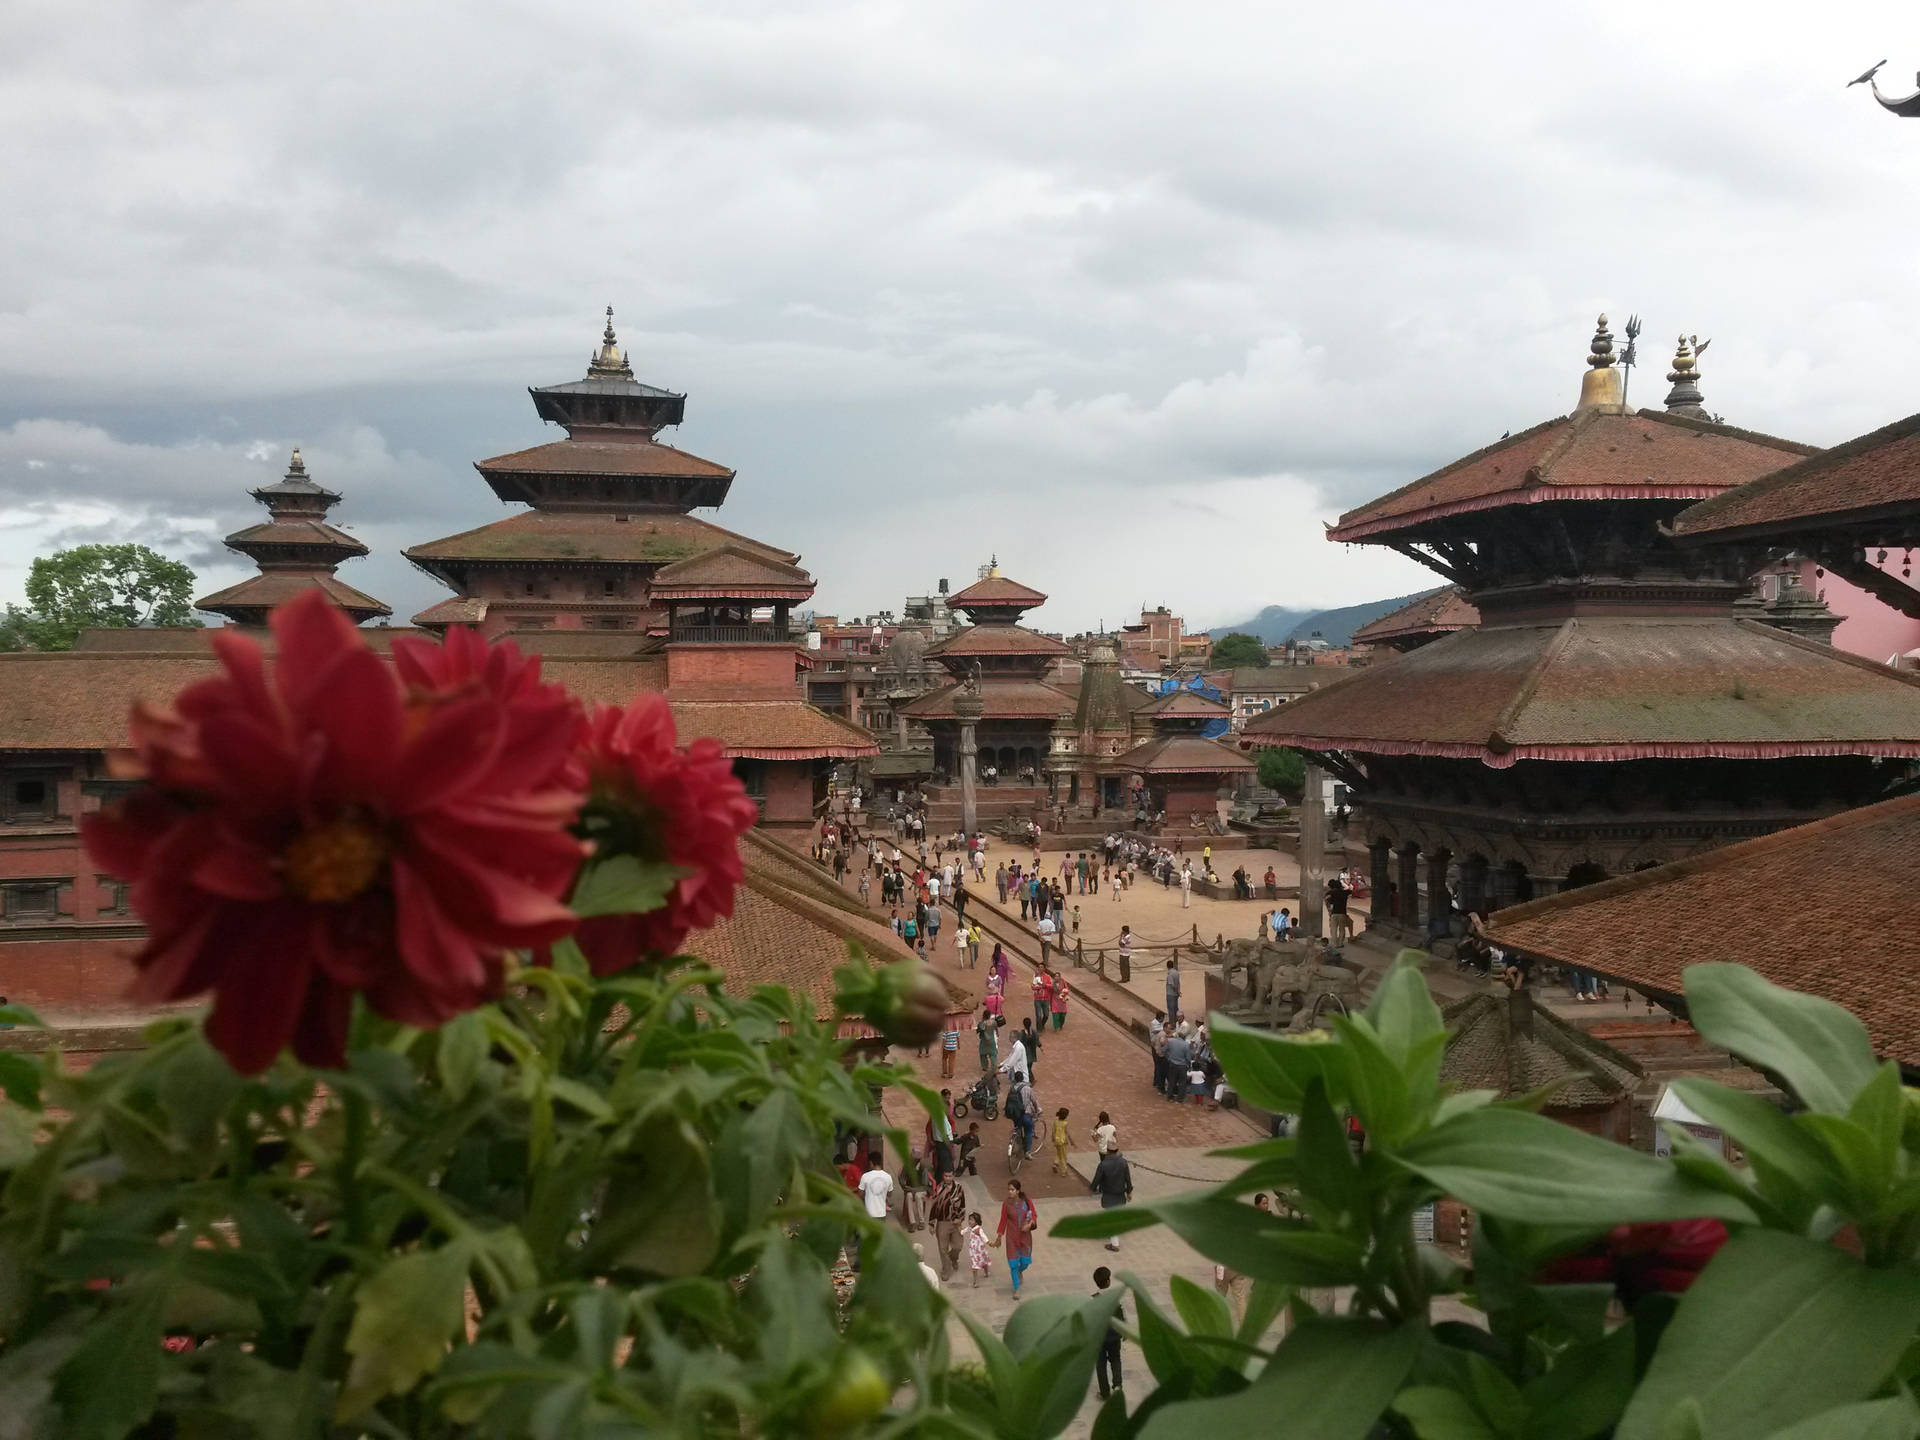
[{"x": 1018, "y": 1221}]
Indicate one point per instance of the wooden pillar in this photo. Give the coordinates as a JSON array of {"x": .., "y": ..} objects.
[
  {"x": 1473, "y": 885},
  {"x": 1502, "y": 886},
  {"x": 1380, "y": 876},
  {"x": 1437, "y": 863},
  {"x": 1313, "y": 851},
  {"x": 1408, "y": 910}
]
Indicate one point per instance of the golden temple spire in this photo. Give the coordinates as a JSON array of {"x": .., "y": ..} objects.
[
  {"x": 296, "y": 467},
  {"x": 1601, "y": 387},
  {"x": 610, "y": 361},
  {"x": 1685, "y": 397}
]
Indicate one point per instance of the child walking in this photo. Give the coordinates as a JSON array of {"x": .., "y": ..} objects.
[
  {"x": 1060, "y": 1138},
  {"x": 949, "y": 1047},
  {"x": 978, "y": 1260}
]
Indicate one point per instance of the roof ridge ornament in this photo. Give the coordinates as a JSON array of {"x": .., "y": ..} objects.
[
  {"x": 609, "y": 362},
  {"x": 296, "y": 467},
  {"x": 1685, "y": 397},
  {"x": 1903, "y": 105},
  {"x": 1601, "y": 387}
]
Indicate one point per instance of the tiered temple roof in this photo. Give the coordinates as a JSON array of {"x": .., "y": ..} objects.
[
  {"x": 1428, "y": 617},
  {"x": 296, "y": 550},
  {"x": 1011, "y": 658}
]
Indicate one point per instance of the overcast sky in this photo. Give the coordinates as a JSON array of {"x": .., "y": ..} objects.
[{"x": 1137, "y": 296}]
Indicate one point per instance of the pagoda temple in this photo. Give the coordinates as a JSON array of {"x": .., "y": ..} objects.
[
  {"x": 1181, "y": 771},
  {"x": 1420, "y": 621},
  {"x": 610, "y": 508},
  {"x": 1609, "y": 712},
  {"x": 296, "y": 549}
]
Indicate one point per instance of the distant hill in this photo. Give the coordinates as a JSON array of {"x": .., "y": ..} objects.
[{"x": 1277, "y": 624}]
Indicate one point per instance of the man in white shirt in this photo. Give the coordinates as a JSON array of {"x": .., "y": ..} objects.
[
  {"x": 1047, "y": 931},
  {"x": 1015, "y": 1066},
  {"x": 933, "y": 889},
  {"x": 876, "y": 1188},
  {"x": 1186, "y": 886}
]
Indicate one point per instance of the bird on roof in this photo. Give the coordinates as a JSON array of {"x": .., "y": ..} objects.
[
  {"x": 1864, "y": 77},
  {"x": 1907, "y": 106}
]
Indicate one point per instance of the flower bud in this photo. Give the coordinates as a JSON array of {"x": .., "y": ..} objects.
[{"x": 910, "y": 1004}]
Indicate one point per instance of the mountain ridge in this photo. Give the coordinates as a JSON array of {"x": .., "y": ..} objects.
[{"x": 1278, "y": 624}]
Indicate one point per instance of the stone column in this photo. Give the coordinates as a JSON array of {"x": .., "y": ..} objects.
[
  {"x": 1473, "y": 884},
  {"x": 1313, "y": 851},
  {"x": 1408, "y": 910},
  {"x": 1502, "y": 886},
  {"x": 1437, "y": 864},
  {"x": 967, "y": 709},
  {"x": 900, "y": 719},
  {"x": 1380, "y": 876}
]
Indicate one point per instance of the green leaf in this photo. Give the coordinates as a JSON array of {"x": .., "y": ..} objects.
[
  {"x": 1776, "y": 1329},
  {"x": 788, "y": 1294},
  {"x": 1273, "y": 1070},
  {"x": 1265, "y": 1301},
  {"x": 1330, "y": 1380},
  {"x": 659, "y": 1213},
  {"x": 1202, "y": 1311},
  {"x": 109, "y": 1383},
  {"x": 623, "y": 885},
  {"x": 1402, "y": 1009},
  {"x": 1494, "y": 1395},
  {"x": 1378, "y": 1088},
  {"x": 194, "y": 1087},
  {"x": 1765, "y": 1132},
  {"x": 459, "y": 1053},
  {"x": 20, "y": 1079},
  {"x": 17, "y": 1145},
  {"x": 404, "y": 1318},
  {"x": 1585, "y": 1391},
  {"x": 1897, "y": 1418},
  {"x": 1056, "y": 1348},
  {"x": 1437, "y": 1413},
  {"x": 1818, "y": 1048},
  {"x": 1525, "y": 1167},
  {"x": 754, "y": 1157},
  {"x": 19, "y": 1016},
  {"x": 1230, "y": 1233},
  {"x": 1329, "y": 1173}
]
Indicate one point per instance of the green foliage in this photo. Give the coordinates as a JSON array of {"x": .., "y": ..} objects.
[
  {"x": 1237, "y": 649},
  {"x": 111, "y": 586},
  {"x": 1283, "y": 770}
]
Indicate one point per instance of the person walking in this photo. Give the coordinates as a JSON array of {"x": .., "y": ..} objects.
[
  {"x": 1186, "y": 886},
  {"x": 1108, "y": 1365},
  {"x": 1030, "y": 1038},
  {"x": 1059, "y": 1004},
  {"x": 876, "y": 1187},
  {"x": 866, "y": 889},
  {"x": 1042, "y": 993},
  {"x": 973, "y": 946},
  {"x": 1060, "y": 1137},
  {"x": 1113, "y": 1183},
  {"x": 1126, "y": 951},
  {"x": 948, "y": 1210},
  {"x": 1018, "y": 1221},
  {"x": 1179, "y": 1053},
  {"x": 1047, "y": 930},
  {"x": 1157, "y": 1043},
  {"x": 978, "y": 1259},
  {"x": 949, "y": 1047},
  {"x": 1173, "y": 989},
  {"x": 1105, "y": 1136},
  {"x": 988, "y": 1029}
]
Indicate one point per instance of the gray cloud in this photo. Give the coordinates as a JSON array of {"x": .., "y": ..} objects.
[{"x": 1137, "y": 296}]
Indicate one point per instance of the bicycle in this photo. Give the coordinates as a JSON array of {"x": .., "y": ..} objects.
[{"x": 1017, "y": 1152}]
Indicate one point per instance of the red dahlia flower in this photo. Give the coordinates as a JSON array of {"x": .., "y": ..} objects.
[
  {"x": 1642, "y": 1259},
  {"x": 685, "y": 808},
  {"x": 302, "y": 837}
]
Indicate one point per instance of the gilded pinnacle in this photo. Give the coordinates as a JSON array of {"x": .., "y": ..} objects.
[
  {"x": 296, "y": 466},
  {"x": 1685, "y": 397},
  {"x": 610, "y": 361},
  {"x": 1600, "y": 354}
]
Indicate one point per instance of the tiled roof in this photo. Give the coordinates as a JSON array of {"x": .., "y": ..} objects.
[
  {"x": 268, "y": 589},
  {"x": 997, "y": 640},
  {"x": 1867, "y": 474},
  {"x": 1181, "y": 755},
  {"x": 289, "y": 531},
  {"x": 1644, "y": 455},
  {"x": 460, "y": 610},
  {"x": 1004, "y": 700},
  {"x": 634, "y": 456},
  {"x": 1610, "y": 689},
  {"x": 658, "y": 537},
  {"x": 731, "y": 571},
  {"x": 1271, "y": 680},
  {"x": 1183, "y": 705},
  {"x": 1443, "y": 610},
  {"x": 1826, "y": 908},
  {"x": 1485, "y": 1052},
  {"x": 995, "y": 590},
  {"x": 771, "y": 729}
]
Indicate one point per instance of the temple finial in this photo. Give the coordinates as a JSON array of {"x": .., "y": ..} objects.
[
  {"x": 993, "y": 565},
  {"x": 1685, "y": 397},
  {"x": 296, "y": 467},
  {"x": 1601, "y": 386},
  {"x": 610, "y": 361}
]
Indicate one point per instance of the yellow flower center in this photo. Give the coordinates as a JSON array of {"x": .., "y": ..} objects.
[{"x": 335, "y": 862}]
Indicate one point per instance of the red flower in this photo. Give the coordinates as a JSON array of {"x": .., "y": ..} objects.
[
  {"x": 684, "y": 807},
  {"x": 1642, "y": 1259},
  {"x": 318, "y": 833}
]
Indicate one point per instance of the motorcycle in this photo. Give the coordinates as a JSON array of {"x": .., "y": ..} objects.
[{"x": 984, "y": 1096}]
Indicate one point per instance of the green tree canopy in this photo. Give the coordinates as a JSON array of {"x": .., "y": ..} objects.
[
  {"x": 112, "y": 586},
  {"x": 1283, "y": 770},
  {"x": 1238, "y": 649}
]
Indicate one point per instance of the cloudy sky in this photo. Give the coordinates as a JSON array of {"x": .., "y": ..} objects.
[{"x": 1137, "y": 296}]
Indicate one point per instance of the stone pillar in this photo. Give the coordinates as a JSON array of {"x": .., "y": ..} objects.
[
  {"x": 1473, "y": 885},
  {"x": 1408, "y": 910},
  {"x": 1437, "y": 864},
  {"x": 1313, "y": 851},
  {"x": 900, "y": 719},
  {"x": 1380, "y": 876},
  {"x": 967, "y": 709}
]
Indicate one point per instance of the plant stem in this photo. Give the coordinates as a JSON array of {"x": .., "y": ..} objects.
[{"x": 352, "y": 1155}]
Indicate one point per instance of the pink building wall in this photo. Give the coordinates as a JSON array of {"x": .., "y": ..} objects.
[{"x": 1868, "y": 628}]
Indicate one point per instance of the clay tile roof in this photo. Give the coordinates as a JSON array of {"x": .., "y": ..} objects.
[
  {"x": 1610, "y": 689},
  {"x": 998, "y": 640},
  {"x": 270, "y": 588},
  {"x": 1181, "y": 755},
  {"x": 1594, "y": 456},
  {"x": 1825, "y": 908},
  {"x": 547, "y": 536},
  {"x": 80, "y": 700},
  {"x": 1004, "y": 700},
  {"x": 1863, "y": 478},
  {"x": 1443, "y": 610},
  {"x": 290, "y": 531},
  {"x": 1272, "y": 679},
  {"x": 771, "y": 729},
  {"x": 460, "y": 610},
  {"x": 603, "y": 457},
  {"x": 1485, "y": 1052},
  {"x": 995, "y": 590},
  {"x": 1183, "y": 704},
  {"x": 731, "y": 571}
]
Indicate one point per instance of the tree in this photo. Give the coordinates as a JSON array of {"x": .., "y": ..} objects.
[
  {"x": 1283, "y": 770},
  {"x": 1236, "y": 650},
  {"x": 111, "y": 586}
]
